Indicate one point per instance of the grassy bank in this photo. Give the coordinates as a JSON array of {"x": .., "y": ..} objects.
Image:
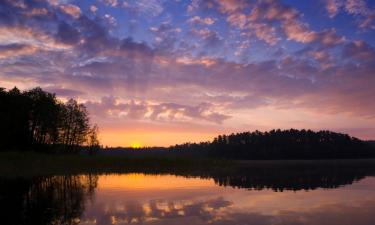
[{"x": 32, "y": 163}]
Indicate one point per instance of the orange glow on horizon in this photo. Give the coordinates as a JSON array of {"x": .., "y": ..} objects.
[
  {"x": 137, "y": 139},
  {"x": 151, "y": 182},
  {"x": 139, "y": 134}
]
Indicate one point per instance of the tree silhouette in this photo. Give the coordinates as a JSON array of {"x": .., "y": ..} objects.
[
  {"x": 36, "y": 119},
  {"x": 281, "y": 144}
]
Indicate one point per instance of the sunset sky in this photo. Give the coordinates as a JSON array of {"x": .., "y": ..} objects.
[{"x": 161, "y": 72}]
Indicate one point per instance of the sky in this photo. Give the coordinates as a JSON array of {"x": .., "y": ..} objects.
[{"x": 162, "y": 72}]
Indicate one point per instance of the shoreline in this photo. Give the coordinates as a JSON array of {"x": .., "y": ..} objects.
[{"x": 34, "y": 164}]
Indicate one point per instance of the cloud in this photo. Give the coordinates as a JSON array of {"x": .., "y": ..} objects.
[
  {"x": 93, "y": 9},
  {"x": 359, "y": 50},
  {"x": 100, "y": 63},
  {"x": 37, "y": 12},
  {"x": 112, "y": 3},
  {"x": 64, "y": 92},
  {"x": 292, "y": 82},
  {"x": 237, "y": 19},
  {"x": 231, "y": 5},
  {"x": 364, "y": 15},
  {"x": 322, "y": 57},
  {"x": 203, "y": 21},
  {"x": 359, "y": 8},
  {"x": 18, "y": 4},
  {"x": 110, "y": 106},
  {"x": 211, "y": 38},
  {"x": 332, "y": 7},
  {"x": 193, "y": 5},
  {"x": 265, "y": 33},
  {"x": 289, "y": 18},
  {"x": 267, "y": 17},
  {"x": 14, "y": 50},
  {"x": 148, "y": 7},
  {"x": 175, "y": 70},
  {"x": 111, "y": 20},
  {"x": 329, "y": 38},
  {"x": 299, "y": 31},
  {"x": 194, "y": 61},
  {"x": 165, "y": 36},
  {"x": 72, "y": 10},
  {"x": 356, "y": 7},
  {"x": 28, "y": 36},
  {"x": 96, "y": 36}
]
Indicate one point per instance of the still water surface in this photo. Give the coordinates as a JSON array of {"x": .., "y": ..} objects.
[{"x": 138, "y": 198}]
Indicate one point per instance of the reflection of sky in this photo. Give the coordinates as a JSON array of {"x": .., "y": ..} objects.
[
  {"x": 137, "y": 198},
  {"x": 190, "y": 69}
]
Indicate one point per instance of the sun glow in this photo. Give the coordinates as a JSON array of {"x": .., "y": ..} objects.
[{"x": 136, "y": 145}]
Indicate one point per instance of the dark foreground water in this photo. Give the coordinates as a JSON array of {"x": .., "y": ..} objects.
[{"x": 265, "y": 197}]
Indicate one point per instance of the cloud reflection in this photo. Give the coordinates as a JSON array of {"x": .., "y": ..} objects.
[{"x": 219, "y": 211}]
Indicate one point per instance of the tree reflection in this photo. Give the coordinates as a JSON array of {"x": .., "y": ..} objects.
[
  {"x": 47, "y": 200},
  {"x": 282, "y": 176},
  {"x": 295, "y": 178}
]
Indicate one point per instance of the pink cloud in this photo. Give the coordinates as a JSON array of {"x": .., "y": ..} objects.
[
  {"x": 232, "y": 5},
  {"x": 364, "y": 15},
  {"x": 333, "y": 7},
  {"x": 359, "y": 50},
  {"x": 37, "y": 12},
  {"x": 297, "y": 31},
  {"x": 203, "y": 21},
  {"x": 112, "y": 107},
  {"x": 112, "y": 3},
  {"x": 265, "y": 33},
  {"x": 16, "y": 50},
  {"x": 237, "y": 19},
  {"x": 72, "y": 10}
]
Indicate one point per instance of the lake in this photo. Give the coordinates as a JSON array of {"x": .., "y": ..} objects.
[{"x": 267, "y": 196}]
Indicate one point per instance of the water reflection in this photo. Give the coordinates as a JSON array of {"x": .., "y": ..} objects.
[
  {"x": 294, "y": 178},
  {"x": 222, "y": 212},
  {"x": 156, "y": 210},
  {"x": 45, "y": 200},
  {"x": 242, "y": 196}
]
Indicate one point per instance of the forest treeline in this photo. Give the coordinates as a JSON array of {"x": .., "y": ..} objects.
[
  {"x": 281, "y": 144},
  {"x": 37, "y": 120}
]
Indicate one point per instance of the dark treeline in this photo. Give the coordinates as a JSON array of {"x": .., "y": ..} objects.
[
  {"x": 37, "y": 120},
  {"x": 281, "y": 144}
]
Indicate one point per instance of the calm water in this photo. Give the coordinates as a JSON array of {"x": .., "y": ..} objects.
[{"x": 332, "y": 197}]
